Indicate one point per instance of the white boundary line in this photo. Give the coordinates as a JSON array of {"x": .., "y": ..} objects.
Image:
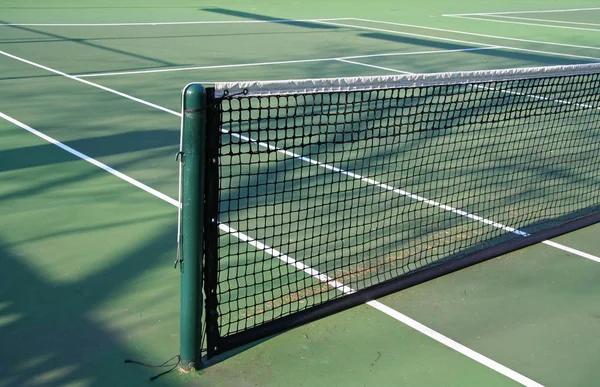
[
  {"x": 572, "y": 251},
  {"x": 280, "y": 21},
  {"x": 379, "y": 306},
  {"x": 509, "y": 373},
  {"x": 90, "y": 160},
  {"x": 373, "y": 66},
  {"x": 453, "y": 344},
  {"x": 510, "y": 229},
  {"x": 485, "y": 46},
  {"x": 524, "y": 24},
  {"x": 89, "y": 83},
  {"x": 473, "y": 34},
  {"x": 288, "y": 153},
  {"x": 546, "y": 20},
  {"x": 521, "y": 12},
  {"x": 381, "y": 185},
  {"x": 389, "y": 311},
  {"x": 284, "y": 62}
]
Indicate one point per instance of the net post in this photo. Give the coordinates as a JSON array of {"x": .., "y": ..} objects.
[{"x": 193, "y": 144}]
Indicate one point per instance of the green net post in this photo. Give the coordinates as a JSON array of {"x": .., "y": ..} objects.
[{"x": 193, "y": 143}]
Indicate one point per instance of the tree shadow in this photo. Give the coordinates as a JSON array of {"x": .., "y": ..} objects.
[
  {"x": 91, "y": 45},
  {"x": 59, "y": 76},
  {"x": 113, "y": 144},
  {"x": 259, "y": 17},
  {"x": 48, "y": 335},
  {"x": 499, "y": 53},
  {"x": 61, "y": 307},
  {"x": 107, "y": 7},
  {"x": 158, "y": 37},
  {"x": 495, "y": 53}
]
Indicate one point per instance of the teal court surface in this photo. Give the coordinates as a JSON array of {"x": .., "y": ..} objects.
[{"x": 90, "y": 115}]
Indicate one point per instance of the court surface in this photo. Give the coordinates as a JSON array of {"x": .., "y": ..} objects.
[{"x": 89, "y": 128}]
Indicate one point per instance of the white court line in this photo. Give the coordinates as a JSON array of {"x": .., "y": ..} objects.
[
  {"x": 281, "y": 21},
  {"x": 559, "y": 101},
  {"x": 572, "y": 251},
  {"x": 177, "y": 204},
  {"x": 546, "y": 20},
  {"x": 299, "y": 265},
  {"x": 485, "y": 46},
  {"x": 525, "y": 24},
  {"x": 373, "y": 66},
  {"x": 284, "y": 62},
  {"x": 381, "y": 185},
  {"x": 90, "y": 160},
  {"x": 520, "y": 12},
  {"x": 389, "y": 311},
  {"x": 286, "y": 152},
  {"x": 199, "y": 68},
  {"x": 478, "y": 35},
  {"x": 453, "y": 344},
  {"x": 89, "y": 83},
  {"x": 539, "y": 97}
]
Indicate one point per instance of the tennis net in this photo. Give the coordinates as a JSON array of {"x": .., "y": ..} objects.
[{"x": 322, "y": 194}]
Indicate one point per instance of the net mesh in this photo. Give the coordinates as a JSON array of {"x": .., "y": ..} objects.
[{"x": 324, "y": 193}]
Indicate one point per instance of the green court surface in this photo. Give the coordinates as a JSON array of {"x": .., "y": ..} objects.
[{"x": 90, "y": 95}]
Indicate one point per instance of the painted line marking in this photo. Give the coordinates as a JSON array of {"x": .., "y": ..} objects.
[
  {"x": 521, "y": 12},
  {"x": 478, "y": 35},
  {"x": 388, "y": 311},
  {"x": 572, "y": 251},
  {"x": 546, "y": 20},
  {"x": 284, "y": 62},
  {"x": 306, "y": 159},
  {"x": 91, "y": 160},
  {"x": 176, "y": 203},
  {"x": 510, "y": 229},
  {"x": 525, "y": 24},
  {"x": 280, "y": 21},
  {"x": 298, "y": 265},
  {"x": 373, "y": 66},
  {"x": 455, "y": 345},
  {"x": 89, "y": 83}
]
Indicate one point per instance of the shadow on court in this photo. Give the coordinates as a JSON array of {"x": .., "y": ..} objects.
[
  {"x": 48, "y": 333},
  {"x": 259, "y": 17},
  {"x": 548, "y": 60},
  {"x": 113, "y": 50},
  {"x": 113, "y": 144},
  {"x": 424, "y": 42}
]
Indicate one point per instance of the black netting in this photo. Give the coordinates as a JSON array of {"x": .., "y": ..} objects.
[{"x": 362, "y": 187}]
